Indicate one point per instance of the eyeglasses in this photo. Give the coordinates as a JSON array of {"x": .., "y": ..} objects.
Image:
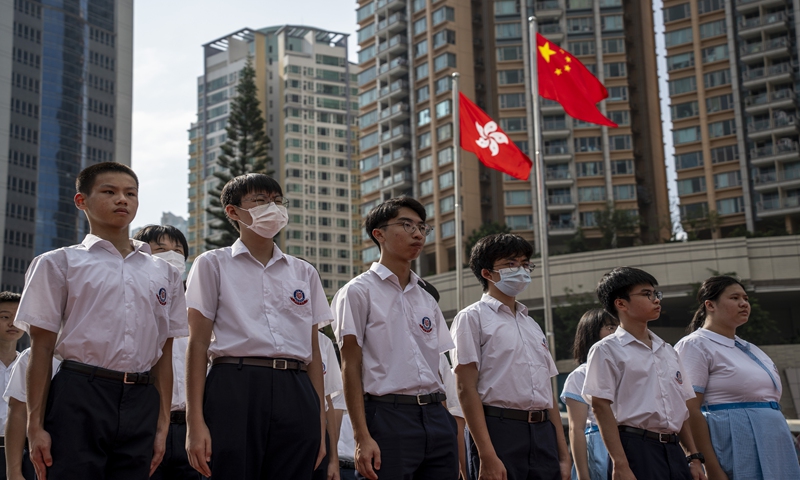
[
  {"x": 514, "y": 267},
  {"x": 265, "y": 200},
  {"x": 652, "y": 296},
  {"x": 409, "y": 227}
]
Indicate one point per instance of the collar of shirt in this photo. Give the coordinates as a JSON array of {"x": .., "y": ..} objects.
[
  {"x": 239, "y": 248},
  {"x": 625, "y": 338},
  {"x": 496, "y": 305},
  {"x": 90, "y": 241},
  {"x": 383, "y": 272},
  {"x": 717, "y": 338}
]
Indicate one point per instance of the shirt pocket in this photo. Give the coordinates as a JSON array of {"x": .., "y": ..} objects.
[
  {"x": 423, "y": 324},
  {"x": 296, "y": 303}
]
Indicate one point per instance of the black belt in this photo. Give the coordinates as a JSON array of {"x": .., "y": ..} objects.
[
  {"x": 422, "y": 399},
  {"x": 348, "y": 464},
  {"x": 276, "y": 363},
  {"x": 661, "y": 437},
  {"x": 533, "y": 416},
  {"x": 177, "y": 417},
  {"x": 128, "y": 378},
  {"x": 3, "y": 442}
]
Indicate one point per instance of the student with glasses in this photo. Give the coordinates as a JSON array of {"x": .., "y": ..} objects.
[
  {"x": 390, "y": 333},
  {"x": 639, "y": 387},
  {"x": 589, "y": 455},
  {"x": 736, "y": 416},
  {"x": 503, "y": 369}
]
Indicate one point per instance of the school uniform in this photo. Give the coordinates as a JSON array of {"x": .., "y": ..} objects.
[
  {"x": 741, "y": 390},
  {"x": 17, "y": 389},
  {"x": 332, "y": 376},
  {"x": 514, "y": 369},
  {"x": 175, "y": 465},
  {"x": 648, "y": 389},
  {"x": 5, "y": 376},
  {"x": 401, "y": 332},
  {"x": 114, "y": 315},
  {"x": 260, "y": 406},
  {"x": 596, "y": 449},
  {"x": 347, "y": 444}
]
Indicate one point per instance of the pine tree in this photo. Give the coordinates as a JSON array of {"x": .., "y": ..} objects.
[{"x": 244, "y": 151}]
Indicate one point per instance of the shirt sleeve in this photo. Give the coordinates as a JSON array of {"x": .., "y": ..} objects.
[
  {"x": 178, "y": 320},
  {"x": 319, "y": 301},
  {"x": 466, "y": 335},
  {"x": 350, "y": 308},
  {"x": 202, "y": 287},
  {"x": 449, "y": 381},
  {"x": 573, "y": 386},
  {"x": 44, "y": 297},
  {"x": 333, "y": 374},
  {"x": 687, "y": 387},
  {"x": 601, "y": 374},
  {"x": 338, "y": 402},
  {"x": 694, "y": 363},
  {"x": 16, "y": 383}
]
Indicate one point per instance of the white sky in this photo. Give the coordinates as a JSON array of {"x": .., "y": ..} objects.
[{"x": 167, "y": 58}]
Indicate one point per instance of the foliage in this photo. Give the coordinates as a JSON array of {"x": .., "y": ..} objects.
[
  {"x": 566, "y": 317},
  {"x": 577, "y": 243},
  {"x": 614, "y": 223},
  {"x": 489, "y": 228},
  {"x": 711, "y": 222},
  {"x": 244, "y": 151}
]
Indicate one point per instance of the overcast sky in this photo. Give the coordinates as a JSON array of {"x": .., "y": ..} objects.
[{"x": 167, "y": 58}]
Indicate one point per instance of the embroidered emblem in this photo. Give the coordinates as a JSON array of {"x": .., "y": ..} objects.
[
  {"x": 299, "y": 297},
  {"x": 324, "y": 368},
  {"x": 679, "y": 377},
  {"x": 162, "y": 296},
  {"x": 426, "y": 325},
  {"x": 544, "y": 343},
  {"x": 775, "y": 367}
]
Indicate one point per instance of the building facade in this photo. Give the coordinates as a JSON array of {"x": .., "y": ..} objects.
[
  {"x": 306, "y": 88},
  {"x": 66, "y": 78},
  {"x": 733, "y": 88},
  {"x": 408, "y": 51}
]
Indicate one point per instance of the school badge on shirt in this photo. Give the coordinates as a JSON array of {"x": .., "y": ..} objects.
[
  {"x": 299, "y": 297},
  {"x": 324, "y": 368},
  {"x": 162, "y": 296},
  {"x": 426, "y": 325},
  {"x": 679, "y": 377}
]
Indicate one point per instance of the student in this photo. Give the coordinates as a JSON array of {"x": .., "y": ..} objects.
[
  {"x": 639, "y": 388},
  {"x": 735, "y": 417},
  {"x": 259, "y": 414},
  {"x": 169, "y": 243},
  {"x": 346, "y": 446},
  {"x": 328, "y": 469},
  {"x": 503, "y": 369},
  {"x": 18, "y": 462},
  {"x": 390, "y": 333},
  {"x": 109, "y": 309},
  {"x": 589, "y": 454},
  {"x": 9, "y": 335}
]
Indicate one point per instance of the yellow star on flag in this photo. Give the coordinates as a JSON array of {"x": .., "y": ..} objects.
[
  {"x": 567, "y": 68},
  {"x": 558, "y": 71},
  {"x": 568, "y": 59},
  {"x": 561, "y": 51},
  {"x": 546, "y": 52}
]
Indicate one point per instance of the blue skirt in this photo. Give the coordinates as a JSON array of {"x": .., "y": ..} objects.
[
  {"x": 753, "y": 444},
  {"x": 598, "y": 457}
]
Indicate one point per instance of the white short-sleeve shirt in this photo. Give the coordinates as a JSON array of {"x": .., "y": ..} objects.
[
  {"x": 401, "y": 332},
  {"x": 5, "y": 376},
  {"x": 331, "y": 372},
  {"x": 179, "y": 346},
  {"x": 648, "y": 388},
  {"x": 724, "y": 373},
  {"x": 16, "y": 387},
  {"x": 511, "y": 352},
  {"x": 257, "y": 310},
  {"x": 449, "y": 380},
  {"x": 112, "y": 312},
  {"x": 347, "y": 442},
  {"x": 573, "y": 387}
]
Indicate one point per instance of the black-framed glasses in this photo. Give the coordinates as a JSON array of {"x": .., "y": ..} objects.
[
  {"x": 266, "y": 200},
  {"x": 514, "y": 267},
  {"x": 409, "y": 227},
  {"x": 652, "y": 296}
]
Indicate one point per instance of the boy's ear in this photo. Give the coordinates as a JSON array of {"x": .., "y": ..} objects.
[
  {"x": 80, "y": 201},
  {"x": 620, "y": 304},
  {"x": 486, "y": 273},
  {"x": 230, "y": 211},
  {"x": 378, "y": 234}
]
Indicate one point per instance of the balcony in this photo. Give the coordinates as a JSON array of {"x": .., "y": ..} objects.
[
  {"x": 397, "y": 66},
  {"x": 397, "y": 111},
  {"x": 396, "y": 156},
  {"x": 561, "y": 228},
  {"x": 774, "y": 207},
  {"x": 554, "y": 129},
  {"x": 782, "y": 152},
  {"x": 395, "y": 23},
  {"x": 556, "y": 152},
  {"x": 550, "y": 106},
  {"x": 765, "y": 49},
  {"x": 768, "y": 23},
  {"x": 560, "y": 203},
  {"x": 748, "y": 5},
  {"x": 552, "y": 31},
  {"x": 397, "y": 88},
  {"x": 395, "y": 44},
  {"x": 788, "y": 178},
  {"x": 548, "y": 9},
  {"x": 783, "y": 125},
  {"x": 764, "y": 101},
  {"x": 399, "y": 134},
  {"x": 558, "y": 178},
  {"x": 389, "y": 3},
  {"x": 397, "y": 180},
  {"x": 779, "y": 73}
]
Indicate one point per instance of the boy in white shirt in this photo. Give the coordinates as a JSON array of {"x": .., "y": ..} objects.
[{"x": 9, "y": 335}]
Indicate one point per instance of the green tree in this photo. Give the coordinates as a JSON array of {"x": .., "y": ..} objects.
[
  {"x": 484, "y": 230},
  {"x": 710, "y": 221},
  {"x": 613, "y": 223},
  {"x": 244, "y": 151}
]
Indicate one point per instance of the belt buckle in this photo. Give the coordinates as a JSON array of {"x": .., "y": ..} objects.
[
  {"x": 129, "y": 382},
  {"x": 419, "y": 400},
  {"x": 530, "y": 417},
  {"x": 275, "y": 364},
  {"x": 662, "y": 436}
]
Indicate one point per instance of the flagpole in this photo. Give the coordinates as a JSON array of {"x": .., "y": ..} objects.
[
  {"x": 538, "y": 164},
  {"x": 457, "y": 182}
]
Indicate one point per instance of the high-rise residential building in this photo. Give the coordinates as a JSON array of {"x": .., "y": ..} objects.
[
  {"x": 408, "y": 51},
  {"x": 733, "y": 83},
  {"x": 169, "y": 218},
  {"x": 66, "y": 76},
  {"x": 307, "y": 92}
]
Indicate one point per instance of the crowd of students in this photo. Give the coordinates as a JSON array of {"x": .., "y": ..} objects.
[{"x": 129, "y": 377}]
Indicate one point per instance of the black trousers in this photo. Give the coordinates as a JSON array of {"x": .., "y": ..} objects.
[
  {"x": 321, "y": 473},
  {"x": 653, "y": 460},
  {"x": 528, "y": 450},
  {"x": 416, "y": 442},
  {"x": 175, "y": 465},
  {"x": 100, "y": 429},
  {"x": 27, "y": 467},
  {"x": 264, "y": 423}
]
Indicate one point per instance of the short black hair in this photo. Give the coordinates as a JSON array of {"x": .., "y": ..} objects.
[
  {"x": 711, "y": 289},
  {"x": 238, "y": 187},
  {"x": 10, "y": 297},
  {"x": 618, "y": 283},
  {"x": 154, "y": 233},
  {"x": 85, "y": 181},
  {"x": 492, "y": 248},
  {"x": 386, "y": 211},
  {"x": 587, "y": 333}
]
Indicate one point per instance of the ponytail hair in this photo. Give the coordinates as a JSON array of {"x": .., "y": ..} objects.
[
  {"x": 587, "y": 333},
  {"x": 711, "y": 289}
]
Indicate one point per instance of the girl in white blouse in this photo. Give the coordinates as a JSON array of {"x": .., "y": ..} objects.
[{"x": 735, "y": 418}]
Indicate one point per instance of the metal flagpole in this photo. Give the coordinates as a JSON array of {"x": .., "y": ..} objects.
[
  {"x": 457, "y": 181},
  {"x": 538, "y": 164}
]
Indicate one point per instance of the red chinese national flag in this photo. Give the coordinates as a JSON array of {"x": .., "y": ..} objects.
[
  {"x": 481, "y": 136},
  {"x": 564, "y": 79}
]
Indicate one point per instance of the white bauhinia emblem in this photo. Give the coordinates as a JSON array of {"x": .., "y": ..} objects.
[{"x": 490, "y": 137}]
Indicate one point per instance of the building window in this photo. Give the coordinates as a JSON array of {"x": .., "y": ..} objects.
[
  {"x": 715, "y": 53},
  {"x": 580, "y": 24},
  {"x": 447, "y": 204},
  {"x": 426, "y": 187},
  {"x": 712, "y": 29},
  {"x": 512, "y": 100},
  {"x": 588, "y": 144},
  {"x": 519, "y": 222},
  {"x": 443, "y": 108},
  {"x": 422, "y": 71},
  {"x": 678, "y": 12},
  {"x": 681, "y": 60},
  {"x": 518, "y": 197},
  {"x": 448, "y": 229},
  {"x": 624, "y": 192},
  {"x": 729, "y": 206},
  {"x": 510, "y": 77},
  {"x": 689, "y": 186},
  {"x": 617, "y": 94},
  {"x": 589, "y": 169},
  {"x": 443, "y": 61},
  {"x": 424, "y": 117},
  {"x": 443, "y": 14},
  {"x": 509, "y": 53},
  {"x": 693, "y": 210},
  {"x": 682, "y": 85},
  {"x": 727, "y": 153},
  {"x": 425, "y": 163},
  {"x": 616, "y": 69},
  {"x": 444, "y": 37},
  {"x": 614, "y": 45},
  {"x": 721, "y": 129},
  {"x": 588, "y": 219},
  {"x": 505, "y": 31},
  {"x": 444, "y": 156},
  {"x": 420, "y": 25},
  {"x": 678, "y": 37},
  {"x": 684, "y": 110},
  {"x": 446, "y": 180},
  {"x": 619, "y": 142},
  {"x": 591, "y": 194},
  {"x": 728, "y": 179},
  {"x": 686, "y": 135},
  {"x": 689, "y": 160},
  {"x": 715, "y": 79},
  {"x": 424, "y": 140},
  {"x": 514, "y": 124},
  {"x": 622, "y": 167},
  {"x": 583, "y": 47},
  {"x": 444, "y": 84},
  {"x": 421, "y": 48},
  {"x": 423, "y": 93},
  {"x": 611, "y": 23},
  {"x": 444, "y": 132}
]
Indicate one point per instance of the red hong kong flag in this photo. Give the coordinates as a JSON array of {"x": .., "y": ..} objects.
[
  {"x": 481, "y": 136},
  {"x": 564, "y": 79}
]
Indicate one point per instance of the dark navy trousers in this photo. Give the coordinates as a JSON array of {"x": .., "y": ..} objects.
[
  {"x": 653, "y": 460},
  {"x": 528, "y": 450},
  {"x": 416, "y": 442},
  {"x": 175, "y": 465}
]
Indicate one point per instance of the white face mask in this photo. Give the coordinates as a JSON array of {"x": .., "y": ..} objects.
[
  {"x": 268, "y": 219},
  {"x": 512, "y": 283},
  {"x": 173, "y": 258}
]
